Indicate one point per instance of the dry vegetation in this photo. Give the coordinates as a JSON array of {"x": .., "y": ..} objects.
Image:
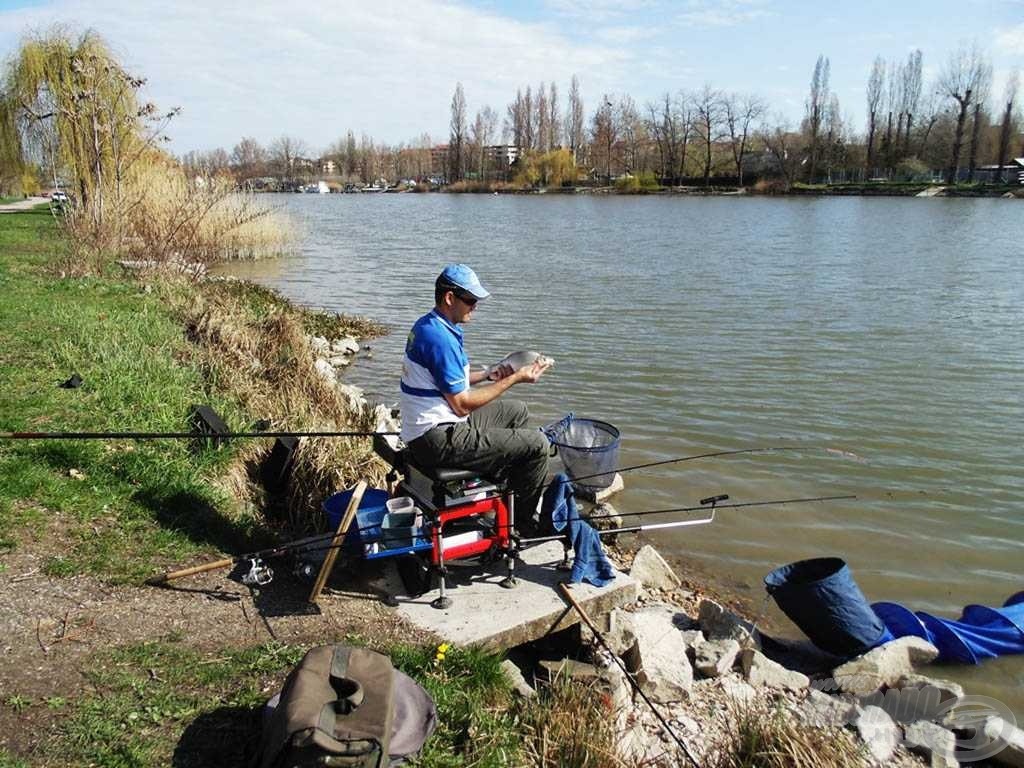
[
  {"x": 256, "y": 346},
  {"x": 761, "y": 737}
]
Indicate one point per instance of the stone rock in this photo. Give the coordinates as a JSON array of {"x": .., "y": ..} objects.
[
  {"x": 599, "y": 495},
  {"x": 617, "y": 632},
  {"x": 575, "y": 670},
  {"x": 659, "y": 655},
  {"x": 325, "y": 369},
  {"x": 1008, "y": 738},
  {"x": 651, "y": 570},
  {"x": 720, "y": 623},
  {"x": 515, "y": 676},
  {"x": 737, "y": 690},
  {"x": 340, "y": 361},
  {"x": 347, "y": 345},
  {"x": 916, "y": 697},
  {"x": 693, "y": 637},
  {"x": 354, "y": 395},
  {"x": 319, "y": 345},
  {"x": 716, "y": 657},
  {"x": 613, "y": 681},
  {"x": 820, "y": 710},
  {"x": 605, "y": 517},
  {"x": 606, "y": 678},
  {"x": 384, "y": 421},
  {"x": 933, "y": 742},
  {"x": 878, "y": 731},
  {"x": 883, "y": 665},
  {"x": 759, "y": 670}
]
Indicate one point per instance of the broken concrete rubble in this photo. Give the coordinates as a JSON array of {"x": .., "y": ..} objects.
[
  {"x": 884, "y": 665},
  {"x": 759, "y": 670},
  {"x": 878, "y": 731},
  {"x": 933, "y": 742},
  {"x": 716, "y": 657},
  {"x": 718, "y": 623},
  {"x": 659, "y": 655},
  {"x": 651, "y": 570}
]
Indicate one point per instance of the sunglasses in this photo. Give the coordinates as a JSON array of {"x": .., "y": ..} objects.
[{"x": 466, "y": 298}]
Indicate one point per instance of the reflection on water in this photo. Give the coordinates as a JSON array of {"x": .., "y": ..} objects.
[{"x": 882, "y": 336}]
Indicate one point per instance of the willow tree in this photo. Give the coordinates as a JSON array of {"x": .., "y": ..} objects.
[{"x": 70, "y": 104}]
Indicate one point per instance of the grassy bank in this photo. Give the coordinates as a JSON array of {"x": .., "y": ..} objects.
[{"x": 94, "y": 518}]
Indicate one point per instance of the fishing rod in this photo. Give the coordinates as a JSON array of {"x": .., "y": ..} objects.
[
  {"x": 710, "y": 455},
  {"x": 847, "y": 497},
  {"x": 177, "y": 435},
  {"x": 309, "y": 544}
]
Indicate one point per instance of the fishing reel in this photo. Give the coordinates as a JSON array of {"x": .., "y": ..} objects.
[{"x": 260, "y": 574}]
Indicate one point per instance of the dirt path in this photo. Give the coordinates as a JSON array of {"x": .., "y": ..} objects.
[
  {"x": 23, "y": 205},
  {"x": 51, "y": 627}
]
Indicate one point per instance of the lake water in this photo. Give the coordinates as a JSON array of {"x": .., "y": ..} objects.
[{"x": 884, "y": 336}]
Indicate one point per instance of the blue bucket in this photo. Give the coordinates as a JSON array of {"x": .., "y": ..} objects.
[
  {"x": 366, "y": 527},
  {"x": 821, "y": 597}
]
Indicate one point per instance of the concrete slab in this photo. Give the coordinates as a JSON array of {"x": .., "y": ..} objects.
[{"x": 483, "y": 613}]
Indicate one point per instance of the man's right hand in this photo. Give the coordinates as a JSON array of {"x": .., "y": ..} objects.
[{"x": 530, "y": 373}]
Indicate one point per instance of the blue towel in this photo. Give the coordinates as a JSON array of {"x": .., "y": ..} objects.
[{"x": 590, "y": 564}]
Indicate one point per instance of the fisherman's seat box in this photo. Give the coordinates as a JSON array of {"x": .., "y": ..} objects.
[{"x": 469, "y": 515}]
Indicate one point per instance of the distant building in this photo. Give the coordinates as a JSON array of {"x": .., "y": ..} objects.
[{"x": 328, "y": 167}]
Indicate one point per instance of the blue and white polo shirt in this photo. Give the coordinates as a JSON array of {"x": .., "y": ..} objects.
[{"x": 435, "y": 364}]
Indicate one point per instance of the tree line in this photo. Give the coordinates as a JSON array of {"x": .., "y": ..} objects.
[{"x": 951, "y": 125}]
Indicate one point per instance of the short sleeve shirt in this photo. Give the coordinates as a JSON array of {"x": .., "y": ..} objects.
[{"x": 435, "y": 364}]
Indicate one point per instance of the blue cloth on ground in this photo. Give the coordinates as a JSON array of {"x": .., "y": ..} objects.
[
  {"x": 590, "y": 564},
  {"x": 980, "y": 633}
]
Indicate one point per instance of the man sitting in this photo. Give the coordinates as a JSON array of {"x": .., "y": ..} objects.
[{"x": 445, "y": 422}]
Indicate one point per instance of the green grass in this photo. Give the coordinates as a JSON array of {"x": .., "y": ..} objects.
[
  {"x": 127, "y": 504},
  {"x": 159, "y": 702}
]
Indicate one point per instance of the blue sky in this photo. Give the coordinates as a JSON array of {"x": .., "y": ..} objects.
[{"x": 315, "y": 70}]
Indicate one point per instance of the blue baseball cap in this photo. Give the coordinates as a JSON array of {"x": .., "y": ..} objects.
[{"x": 465, "y": 278}]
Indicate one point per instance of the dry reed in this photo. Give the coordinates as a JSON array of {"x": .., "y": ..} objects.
[
  {"x": 265, "y": 362},
  {"x": 757, "y": 736},
  {"x": 569, "y": 724}
]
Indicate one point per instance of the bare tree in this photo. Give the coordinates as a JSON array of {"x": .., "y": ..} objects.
[
  {"x": 633, "y": 133},
  {"x": 481, "y": 135},
  {"x": 911, "y": 90},
  {"x": 554, "y": 122},
  {"x": 543, "y": 120},
  {"x": 283, "y": 153},
  {"x": 516, "y": 120},
  {"x": 247, "y": 158},
  {"x": 1012, "y": 84},
  {"x": 780, "y": 141},
  {"x": 876, "y": 82},
  {"x": 742, "y": 111},
  {"x": 981, "y": 95},
  {"x": 574, "y": 120},
  {"x": 457, "y": 134},
  {"x": 529, "y": 121},
  {"x": 708, "y": 112},
  {"x": 604, "y": 132},
  {"x": 817, "y": 100},
  {"x": 958, "y": 81}
]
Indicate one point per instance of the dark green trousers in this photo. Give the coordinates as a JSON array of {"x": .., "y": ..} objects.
[{"x": 496, "y": 442}]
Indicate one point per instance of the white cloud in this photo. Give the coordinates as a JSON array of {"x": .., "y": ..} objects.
[
  {"x": 1011, "y": 40},
  {"x": 263, "y": 68},
  {"x": 722, "y": 13}
]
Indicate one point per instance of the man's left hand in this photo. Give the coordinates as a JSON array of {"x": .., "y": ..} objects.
[{"x": 499, "y": 372}]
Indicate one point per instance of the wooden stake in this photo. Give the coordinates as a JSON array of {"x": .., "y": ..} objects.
[{"x": 339, "y": 537}]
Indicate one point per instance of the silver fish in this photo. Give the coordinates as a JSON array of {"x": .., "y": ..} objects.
[{"x": 521, "y": 359}]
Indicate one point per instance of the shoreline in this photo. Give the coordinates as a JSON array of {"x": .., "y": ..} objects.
[
  {"x": 154, "y": 506},
  {"x": 891, "y": 189}
]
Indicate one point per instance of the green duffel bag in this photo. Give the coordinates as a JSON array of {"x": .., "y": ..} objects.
[{"x": 346, "y": 707}]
